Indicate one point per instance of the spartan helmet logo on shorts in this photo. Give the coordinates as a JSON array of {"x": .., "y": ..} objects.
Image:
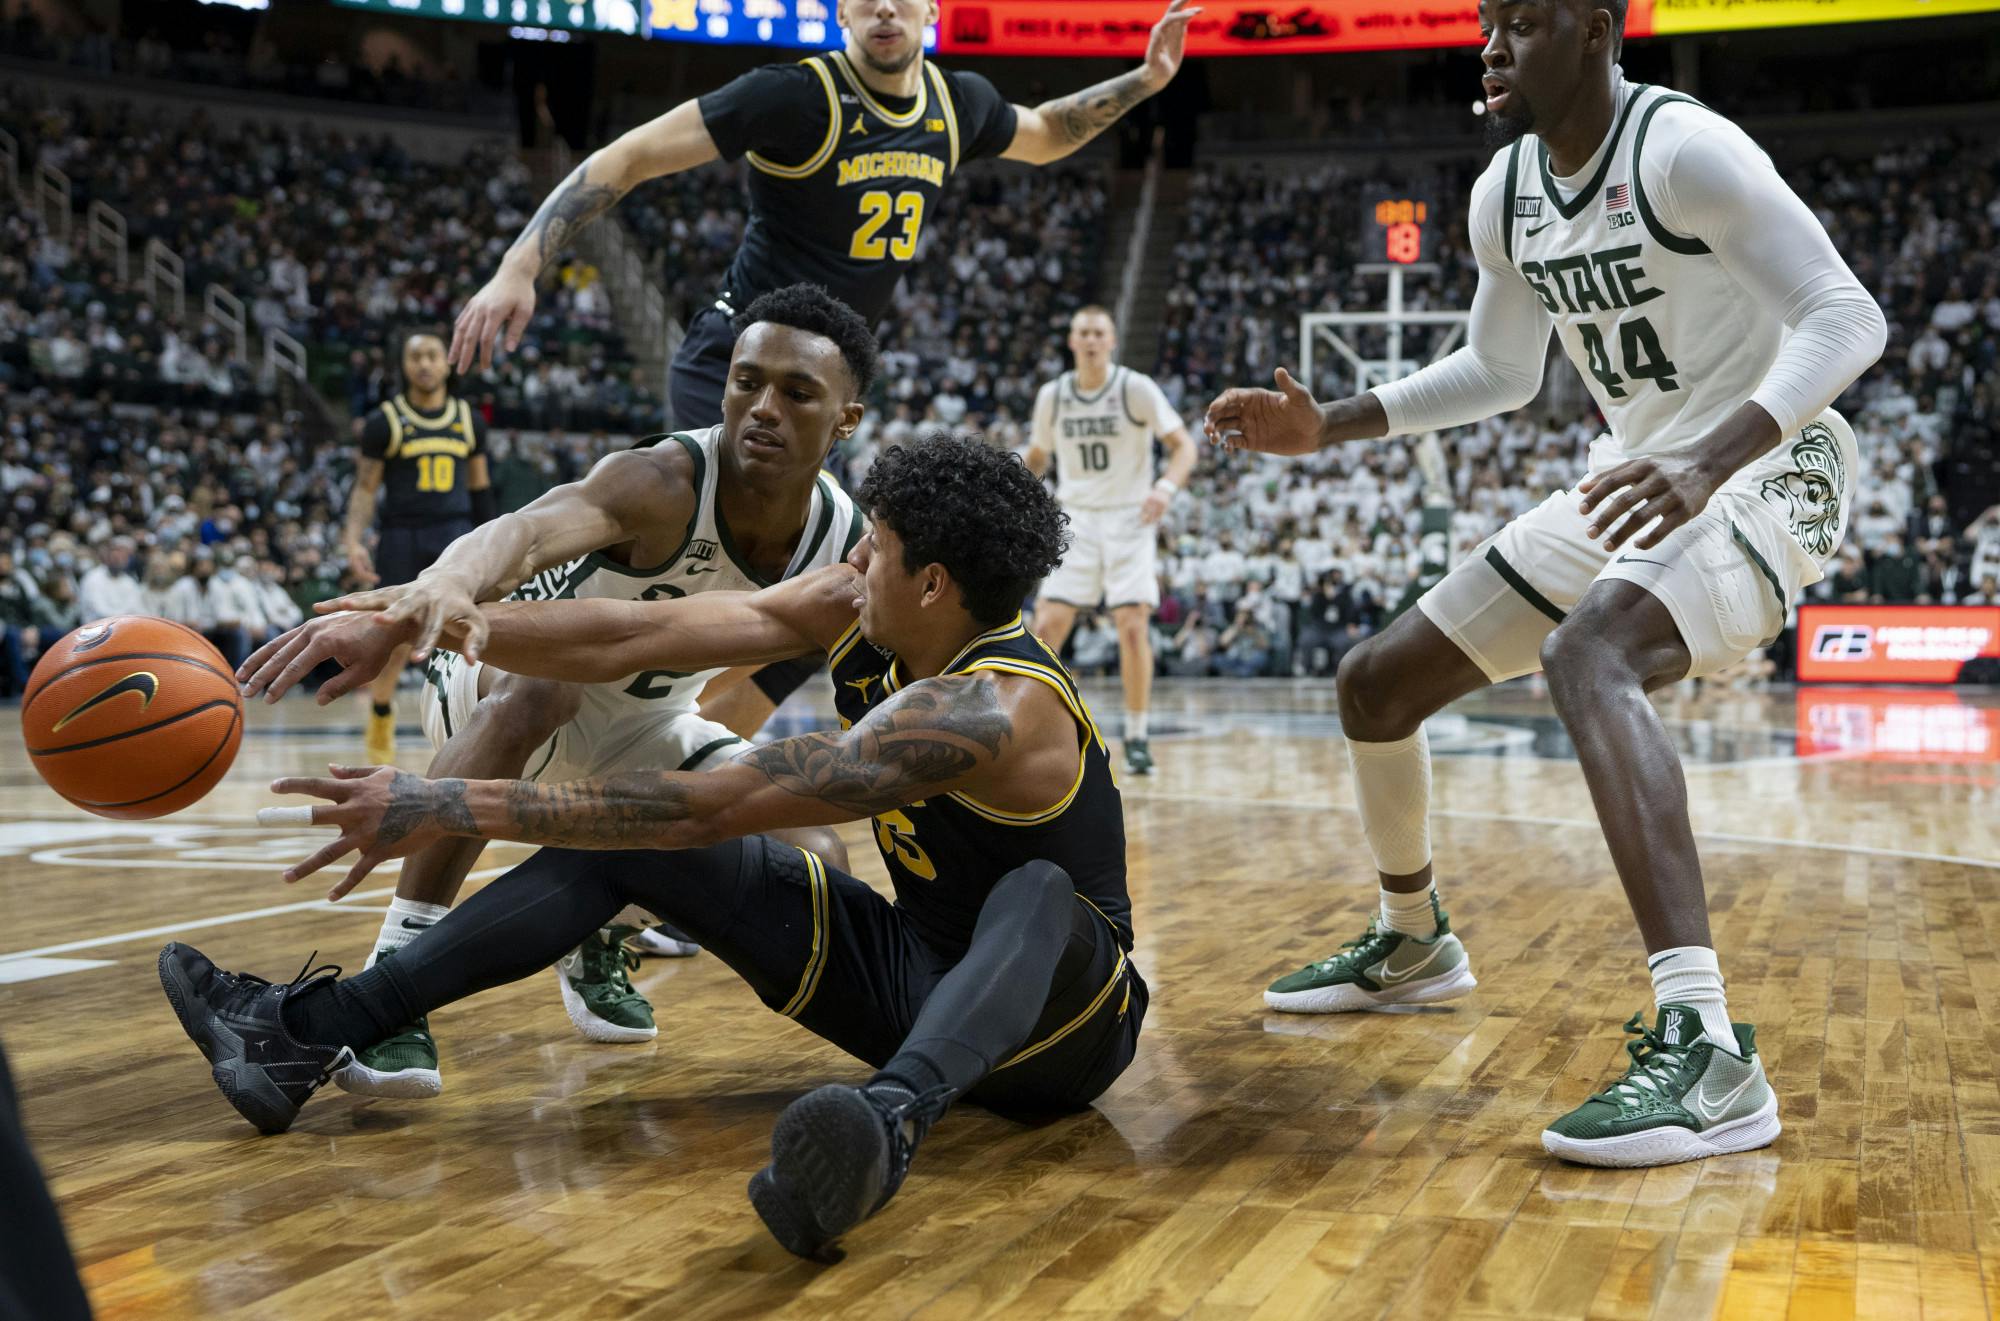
[{"x": 1810, "y": 493}]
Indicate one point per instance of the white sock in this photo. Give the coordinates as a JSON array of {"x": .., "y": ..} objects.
[
  {"x": 1135, "y": 724},
  {"x": 405, "y": 921},
  {"x": 1689, "y": 975},
  {"x": 1393, "y": 783},
  {"x": 1410, "y": 914}
]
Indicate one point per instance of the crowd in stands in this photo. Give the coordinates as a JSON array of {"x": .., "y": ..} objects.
[
  {"x": 343, "y": 243},
  {"x": 213, "y": 56}
]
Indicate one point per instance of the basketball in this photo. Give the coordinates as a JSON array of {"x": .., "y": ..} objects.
[{"x": 132, "y": 717}]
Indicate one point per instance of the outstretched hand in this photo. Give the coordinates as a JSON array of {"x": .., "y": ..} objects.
[
  {"x": 362, "y": 644},
  {"x": 1282, "y": 421},
  {"x": 380, "y": 811},
  {"x": 1168, "y": 43},
  {"x": 426, "y": 610}
]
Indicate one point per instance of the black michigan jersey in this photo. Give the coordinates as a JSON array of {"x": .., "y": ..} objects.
[
  {"x": 843, "y": 179},
  {"x": 425, "y": 460},
  {"x": 945, "y": 854}
]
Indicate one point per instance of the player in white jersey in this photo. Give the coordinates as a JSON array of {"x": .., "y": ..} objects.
[
  {"x": 1098, "y": 423},
  {"x": 735, "y": 507},
  {"x": 1714, "y": 324}
]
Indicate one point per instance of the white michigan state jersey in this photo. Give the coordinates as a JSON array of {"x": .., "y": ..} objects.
[
  {"x": 706, "y": 562},
  {"x": 1668, "y": 342},
  {"x": 1103, "y": 441}
]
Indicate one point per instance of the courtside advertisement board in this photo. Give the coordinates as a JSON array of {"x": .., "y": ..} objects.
[{"x": 1894, "y": 643}]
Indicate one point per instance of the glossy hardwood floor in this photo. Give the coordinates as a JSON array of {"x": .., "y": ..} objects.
[{"x": 1249, "y": 1165}]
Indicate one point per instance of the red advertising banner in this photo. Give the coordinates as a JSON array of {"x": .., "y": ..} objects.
[
  {"x": 1884, "y": 724},
  {"x": 1225, "y": 27},
  {"x": 1893, "y": 643}
]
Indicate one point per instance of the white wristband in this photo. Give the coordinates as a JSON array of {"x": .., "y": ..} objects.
[{"x": 1167, "y": 484}]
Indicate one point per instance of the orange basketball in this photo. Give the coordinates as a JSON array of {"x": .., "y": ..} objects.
[{"x": 132, "y": 717}]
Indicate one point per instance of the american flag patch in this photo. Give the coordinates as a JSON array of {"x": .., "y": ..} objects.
[{"x": 1618, "y": 197}]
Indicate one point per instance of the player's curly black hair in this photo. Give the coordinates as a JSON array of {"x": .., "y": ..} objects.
[
  {"x": 809, "y": 307},
  {"x": 976, "y": 510}
]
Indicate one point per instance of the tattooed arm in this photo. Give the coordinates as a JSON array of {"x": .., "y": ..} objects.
[
  {"x": 676, "y": 141},
  {"x": 1055, "y": 129},
  {"x": 1006, "y": 739}
]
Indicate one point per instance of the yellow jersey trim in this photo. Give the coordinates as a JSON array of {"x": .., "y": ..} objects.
[
  {"x": 1013, "y": 628},
  {"x": 1029, "y": 670},
  {"x": 465, "y": 421},
  {"x": 395, "y": 431},
  {"x": 882, "y": 112},
  {"x": 427, "y": 423},
  {"x": 1096, "y": 1003},
  {"x": 816, "y": 961},
  {"x": 818, "y": 158},
  {"x": 950, "y": 115},
  {"x": 843, "y": 644}
]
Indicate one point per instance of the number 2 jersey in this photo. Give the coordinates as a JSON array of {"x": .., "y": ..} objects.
[
  {"x": 945, "y": 853},
  {"x": 842, "y": 178},
  {"x": 707, "y": 561}
]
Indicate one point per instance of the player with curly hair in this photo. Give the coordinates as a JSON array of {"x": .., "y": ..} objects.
[{"x": 1002, "y": 973}]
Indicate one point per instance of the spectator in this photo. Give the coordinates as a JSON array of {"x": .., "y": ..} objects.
[{"x": 109, "y": 588}]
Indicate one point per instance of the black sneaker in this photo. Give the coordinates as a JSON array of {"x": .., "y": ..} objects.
[
  {"x": 1138, "y": 756},
  {"x": 838, "y": 1155},
  {"x": 238, "y": 1022}
]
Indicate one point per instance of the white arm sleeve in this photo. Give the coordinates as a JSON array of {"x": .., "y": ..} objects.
[
  {"x": 1720, "y": 188},
  {"x": 1506, "y": 342}
]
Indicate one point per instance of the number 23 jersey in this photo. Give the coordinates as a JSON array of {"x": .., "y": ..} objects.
[{"x": 843, "y": 179}]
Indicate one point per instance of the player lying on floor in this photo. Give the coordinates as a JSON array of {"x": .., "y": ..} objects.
[{"x": 1000, "y": 974}]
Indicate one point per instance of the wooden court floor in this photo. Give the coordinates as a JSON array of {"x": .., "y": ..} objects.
[{"x": 1248, "y": 1165}]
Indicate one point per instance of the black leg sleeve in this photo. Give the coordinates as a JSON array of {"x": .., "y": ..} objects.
[
  {"x": 984, "y": 1008},
  {"x": 512, "y": 929}
]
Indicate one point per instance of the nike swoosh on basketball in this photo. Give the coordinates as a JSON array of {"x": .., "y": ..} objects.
[
  {"x": 1539, "y": 228},
  {"x": 1711, "y": 1111},
  {"x": 145, "y": 683},
  {"x": 1388, "y": 978}
]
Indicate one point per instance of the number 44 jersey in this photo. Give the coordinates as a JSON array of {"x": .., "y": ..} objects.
[{"x": 707, "y": 561}]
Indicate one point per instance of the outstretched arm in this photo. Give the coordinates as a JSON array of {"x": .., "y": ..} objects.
[
  {"x": 1055, "y": 129},
  {"x": 936, "y": 736},
  {"x": 676, "y": 141},
  {"x": 579, "y": 641}
]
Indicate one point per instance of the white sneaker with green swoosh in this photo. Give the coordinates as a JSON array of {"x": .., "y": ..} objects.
[
  {"x": 1683, "y": 1098},
  {"x": 1383, "y": 967}
]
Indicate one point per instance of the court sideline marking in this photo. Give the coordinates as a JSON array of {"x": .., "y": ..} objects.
[{"x": 1296, "y": 804}]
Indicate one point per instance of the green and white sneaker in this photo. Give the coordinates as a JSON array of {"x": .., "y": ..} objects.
[
  {"x": 1138, "y": 756},
  {"x": 1382, "y": 968},
  {"x": 403, "y": 1068},
  {"x": 1683, "y": 1098},
  {"x": 596, "y": 980}
]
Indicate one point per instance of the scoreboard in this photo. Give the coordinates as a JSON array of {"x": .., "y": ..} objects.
[{"x": 1119, "y": 28}]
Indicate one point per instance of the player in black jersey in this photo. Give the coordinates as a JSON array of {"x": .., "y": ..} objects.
[
  {"x": 1002, "y": 972},
  {"x": 423, "y": 457},
  {"x": 849, "y": 152}
]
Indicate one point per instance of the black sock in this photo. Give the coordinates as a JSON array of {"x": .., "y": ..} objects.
[{"x": 384, "y": 708}]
